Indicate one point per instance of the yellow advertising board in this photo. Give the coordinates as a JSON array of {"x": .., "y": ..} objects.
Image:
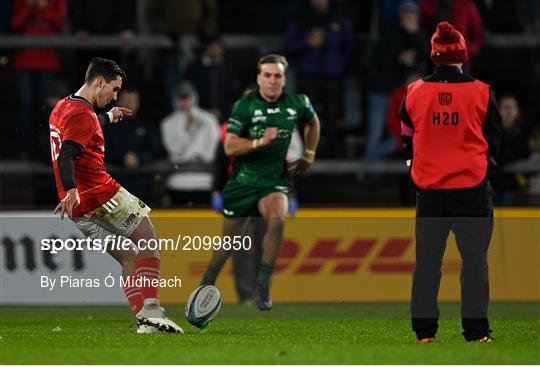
[{"x": 355, "y": 255}]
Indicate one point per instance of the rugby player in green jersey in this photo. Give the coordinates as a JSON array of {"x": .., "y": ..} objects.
[{"x": 258, "y": 135}]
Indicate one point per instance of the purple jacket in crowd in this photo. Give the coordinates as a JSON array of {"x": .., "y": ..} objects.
[{"x": 332, "y": 57}]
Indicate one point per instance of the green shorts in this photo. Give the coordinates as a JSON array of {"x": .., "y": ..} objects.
[{"x": 241, "y": 201}]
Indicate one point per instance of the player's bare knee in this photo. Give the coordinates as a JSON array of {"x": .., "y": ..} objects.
[{"x": 274, "y": 206}]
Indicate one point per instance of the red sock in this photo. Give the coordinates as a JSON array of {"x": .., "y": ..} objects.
[
  {"x": 148, "y": 270},
  {"x": 133, "y": 295}
]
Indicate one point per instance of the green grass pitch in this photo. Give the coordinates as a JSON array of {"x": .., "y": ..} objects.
[{"x": 289, "y": 334}]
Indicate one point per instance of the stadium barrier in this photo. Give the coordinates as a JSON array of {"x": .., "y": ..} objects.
[
  {"x": 320, "y": 167},
  {"x": 159, "y": 41},
  {"x": 329, "y": 255}
]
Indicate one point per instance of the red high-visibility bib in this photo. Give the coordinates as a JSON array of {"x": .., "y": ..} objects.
[{"x": 449, "y": 147}]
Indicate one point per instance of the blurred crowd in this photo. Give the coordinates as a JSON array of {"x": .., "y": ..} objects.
[{"x": 352, "y": 58}]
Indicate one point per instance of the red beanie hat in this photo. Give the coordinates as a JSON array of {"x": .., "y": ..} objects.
[{"x": 448, "y": 45}]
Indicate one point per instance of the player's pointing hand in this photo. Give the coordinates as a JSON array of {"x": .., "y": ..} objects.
[{"x": 118, "y": 113}]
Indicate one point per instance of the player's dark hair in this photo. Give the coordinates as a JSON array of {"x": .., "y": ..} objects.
[
  {"x": 272, "y": 59},
  {"x": 108, "y": 69}
]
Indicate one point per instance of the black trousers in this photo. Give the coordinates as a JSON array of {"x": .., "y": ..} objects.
[{"x": 468, "y": 213}]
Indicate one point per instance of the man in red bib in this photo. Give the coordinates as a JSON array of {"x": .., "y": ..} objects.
[
  {"x": 452, "y": 126},
  {"x": 94, "y": 201}
]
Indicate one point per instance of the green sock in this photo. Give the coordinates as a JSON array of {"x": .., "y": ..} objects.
[{"x": 265, "y": 273}]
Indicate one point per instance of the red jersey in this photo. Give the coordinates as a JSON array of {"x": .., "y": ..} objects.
[{"x": 73, "y": 118}]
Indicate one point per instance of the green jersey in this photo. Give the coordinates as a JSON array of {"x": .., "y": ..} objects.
[{"x": 250, "y": 116}]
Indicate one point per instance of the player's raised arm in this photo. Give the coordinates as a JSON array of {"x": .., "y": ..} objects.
[{"x": 236, "y": 146}]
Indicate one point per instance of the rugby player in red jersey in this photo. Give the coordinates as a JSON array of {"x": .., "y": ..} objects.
[{"x": 93, "y": 200}]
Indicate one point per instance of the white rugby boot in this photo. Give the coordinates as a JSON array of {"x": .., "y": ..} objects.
[
  {"x": 146, "y": 329},
  {"x": 154, "y": 320}
]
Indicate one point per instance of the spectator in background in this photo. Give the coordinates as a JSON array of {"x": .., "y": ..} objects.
[
  {"x": 465, "y": 17},
  {"x": 514, "y": 147},
  {"x": 390, "y": 13},
  {"x": 394, "y": 142},
  {"x": 322, "y": 43},
  {"x": 133, "y": 144},
  {"x": 190, "y": 135},
  {"x": 395, "y": 55},
  {"x": 36, "y": 67},
  {"x": 533, "y": 189},
  {"x": 178, "y": 19},
  {"x": 212, "y": 78}
]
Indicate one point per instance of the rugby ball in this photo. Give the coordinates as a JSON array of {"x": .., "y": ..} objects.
[{"x": 203, "y": 305}]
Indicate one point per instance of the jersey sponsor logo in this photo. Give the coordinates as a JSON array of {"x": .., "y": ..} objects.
[
  {"x": 257, "y": 113},
  {"x": 256, "y": 132},
  {"x": 258, "y": 118},
  {"x": 129, "y": 220},
  {"x": 273, "y": 110},
  {"x": 291, "y": 111},
  {"x": 445, "y": 98},
  {"x": 284, "y": 133}
]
